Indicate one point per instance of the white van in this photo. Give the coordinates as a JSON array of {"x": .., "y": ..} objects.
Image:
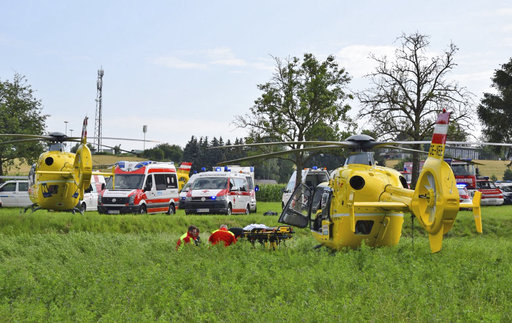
[
  {"x": 217, "y": 192},
  {"x": 90, "y": 201},
  {"x": 141, "y": 187},
  {"x": 248, "y": 171},
  {"x": 14, "y": 193},
  {"x": 311, "y": 177}
]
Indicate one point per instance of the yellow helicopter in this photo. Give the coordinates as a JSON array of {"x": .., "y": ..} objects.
[
  {"x": 58, "y": 179},
  {"x": 366, "y": 202}
]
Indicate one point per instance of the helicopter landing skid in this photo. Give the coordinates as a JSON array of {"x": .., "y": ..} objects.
[
  {"x": 32, "y": 207},
  {"x": 74, "y": 210}
]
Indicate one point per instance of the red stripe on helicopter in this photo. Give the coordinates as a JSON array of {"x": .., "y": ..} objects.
[{"x": 441, "y": 128}]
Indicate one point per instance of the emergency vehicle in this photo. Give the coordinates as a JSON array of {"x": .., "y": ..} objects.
[
  {"x": 141, "y": 187},
  {"x": 248, "y": 171},
  {"x": 311, "y": 177},
  {"x": 217, "y": 192}
]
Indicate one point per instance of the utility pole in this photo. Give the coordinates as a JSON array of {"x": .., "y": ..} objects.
[
  {"x": 144, "y": 130},
  {"x": 98, "y": 124}
]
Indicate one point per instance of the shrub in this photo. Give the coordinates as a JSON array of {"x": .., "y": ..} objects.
[{"x": 270, "y": 192}]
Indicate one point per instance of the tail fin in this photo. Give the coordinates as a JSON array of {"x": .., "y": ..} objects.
[
  {"x": 477, "y": 211},
  {"x": 82, "y": 166},
  {"x": 436, "y": 199},
  {"x": 183, "y": 173},
  {"x": 185, "y": 167},
  {"x": 84, "y": 132}
]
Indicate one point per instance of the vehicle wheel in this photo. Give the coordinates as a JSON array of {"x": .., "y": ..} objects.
[
  {"x": 247, "y": 209},
  {"x": 229, "y": 211},
  {"x": 171, "y": 210},
  {"x": 142, "y": 209},
  {"x": 83, "y": 207}
]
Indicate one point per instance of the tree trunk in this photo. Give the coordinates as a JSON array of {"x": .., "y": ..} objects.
[{"x": 415, "y": 167}]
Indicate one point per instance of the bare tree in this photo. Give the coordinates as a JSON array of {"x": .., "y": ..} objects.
[{"x": 409, "y": 92}]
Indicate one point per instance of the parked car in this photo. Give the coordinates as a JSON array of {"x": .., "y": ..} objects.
[
  {"x": 90, "y": 201},
  {"x": 14, "y": 193},
  {"x": 506, "y": 188},
  {"x": 491, "y": 195},
  {"x": 464, "y": 195}
]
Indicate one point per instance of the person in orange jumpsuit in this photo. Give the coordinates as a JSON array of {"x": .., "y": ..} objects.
[{"x": 222, "y": 234}]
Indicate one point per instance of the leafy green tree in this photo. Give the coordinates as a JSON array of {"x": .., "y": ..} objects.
[
  {"x": 410, "y": 90},
  {"x": 304, "y": 100},
  {"x": 495, "y": 110},
  {"x": 20, "y": 113}
]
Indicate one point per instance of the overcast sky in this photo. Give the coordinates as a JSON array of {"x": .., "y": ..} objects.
[{"x": 188, "y": 68}]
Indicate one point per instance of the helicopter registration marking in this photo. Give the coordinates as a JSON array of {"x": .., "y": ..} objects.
[{"x": 436, "y": 150}]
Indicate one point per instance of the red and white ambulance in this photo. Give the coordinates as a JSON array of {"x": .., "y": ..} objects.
[
  {"x": 217, "y": 192},
  {"x": 141, "y": 187}
]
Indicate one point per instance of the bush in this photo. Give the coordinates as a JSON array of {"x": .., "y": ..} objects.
[{"x": 270, "y": 192}]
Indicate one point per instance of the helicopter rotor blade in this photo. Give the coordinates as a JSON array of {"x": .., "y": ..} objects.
[
  {"x": 277, "y": 154},
  {"x": 130, "y": 139},
  {"x": 283, "y": 143},
  {"x": 404, "y": 149}
]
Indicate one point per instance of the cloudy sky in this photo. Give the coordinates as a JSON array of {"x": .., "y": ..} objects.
[{"x": 188, "y": 68}]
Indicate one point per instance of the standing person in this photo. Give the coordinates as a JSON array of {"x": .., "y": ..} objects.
[
  {"x": 222, "y": 234},
  {"x": 192, "y": 235}
]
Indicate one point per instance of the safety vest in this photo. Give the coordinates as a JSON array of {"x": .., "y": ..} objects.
[{"x": 183, "y": 240}]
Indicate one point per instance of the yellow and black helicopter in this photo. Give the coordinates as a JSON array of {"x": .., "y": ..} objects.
[
  {"x": 58, "y": 179},
  {"x": 366, "y": 202}
]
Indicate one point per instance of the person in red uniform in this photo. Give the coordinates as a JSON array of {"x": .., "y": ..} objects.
[
  {"x": 222, "y": 234},
  {"x": 192, "y": 235}
]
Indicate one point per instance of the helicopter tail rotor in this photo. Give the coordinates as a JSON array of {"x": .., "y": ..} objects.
[
  {"x": 436, "y": 198},
  {"x": 82, "y": 166}
]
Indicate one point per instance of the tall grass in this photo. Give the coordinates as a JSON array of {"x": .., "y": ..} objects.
[{"x": 123, "y": 268}]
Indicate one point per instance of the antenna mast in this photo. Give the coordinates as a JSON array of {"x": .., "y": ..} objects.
[{"x": 98, "y": 126}]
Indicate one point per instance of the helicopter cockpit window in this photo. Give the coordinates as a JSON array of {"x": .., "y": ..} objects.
[
  {"x": 363, "y": 158},
  {"x": 297, "y": 210}
]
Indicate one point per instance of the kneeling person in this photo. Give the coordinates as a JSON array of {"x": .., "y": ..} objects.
[{"x": 222, "y": 234}]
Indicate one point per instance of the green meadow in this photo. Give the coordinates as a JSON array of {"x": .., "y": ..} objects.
[{"x": 124, "y": 268}]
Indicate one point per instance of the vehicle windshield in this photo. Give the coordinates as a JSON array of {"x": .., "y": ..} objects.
[
  {"x": 126, "y": 181},
  {"x": 463, "y": 169},
  {"x": 210, "y": 183},
  {"x": 485, "y": 185},
  {"x": 506, "y": 188}
]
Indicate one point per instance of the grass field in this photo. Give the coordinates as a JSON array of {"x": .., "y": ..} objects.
[{"x": 64, "y": 267}]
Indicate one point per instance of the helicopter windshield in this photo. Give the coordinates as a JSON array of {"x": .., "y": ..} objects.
[
  {"x": 363, "y": 158},
  {"x": 127, "y": 181}
]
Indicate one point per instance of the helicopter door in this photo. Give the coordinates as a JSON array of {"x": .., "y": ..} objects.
[
  {"x": 297, "y": 209},
  {"x": 320, "y": 210}
]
